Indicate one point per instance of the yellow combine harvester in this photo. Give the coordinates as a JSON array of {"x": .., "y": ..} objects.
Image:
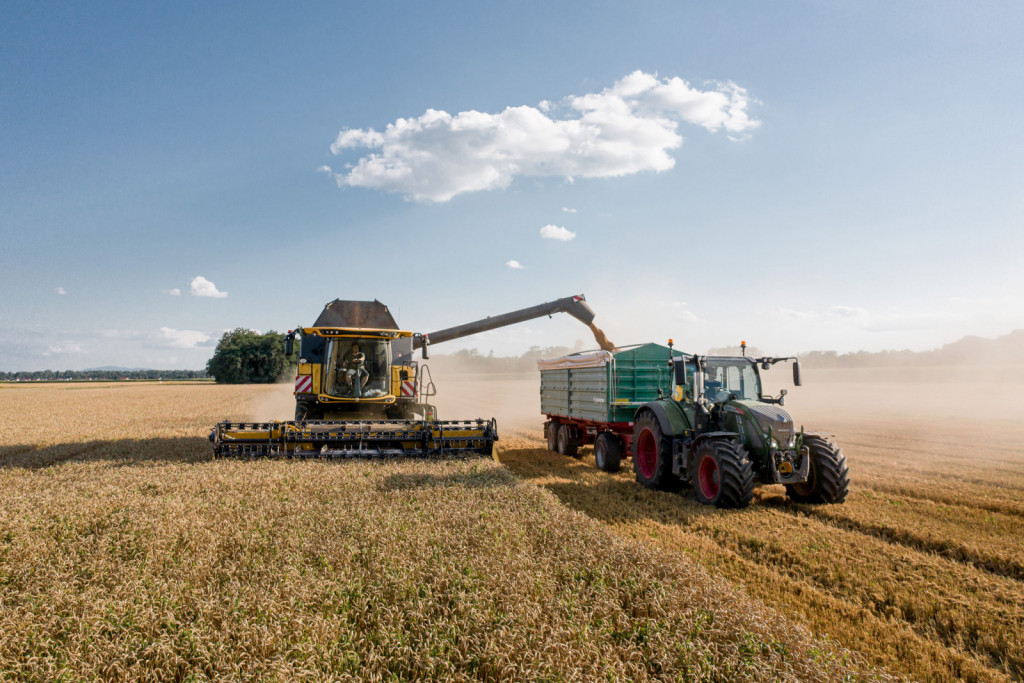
[{"x": 359, "y": 392}]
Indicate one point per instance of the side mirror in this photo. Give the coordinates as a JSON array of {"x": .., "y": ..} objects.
[
  {"x": 426, "y": 343},
  {"x": 680, "y": 367},
  {"x": 288, "y": 343},
  {"x": 796, "y": 373}
]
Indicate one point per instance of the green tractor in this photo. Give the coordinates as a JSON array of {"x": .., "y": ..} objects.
[{"x": 719, "y": 433}]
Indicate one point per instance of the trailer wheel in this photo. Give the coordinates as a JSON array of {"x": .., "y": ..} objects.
[
  {"x": 828, "y": 479},
  {"x": 566, "y": 444},
  {"x": 551, "y": 433},
  {"x": 722, "y": 474},
  {"x": 608, "y": 452},
  {"x": 652, "y": 455}
]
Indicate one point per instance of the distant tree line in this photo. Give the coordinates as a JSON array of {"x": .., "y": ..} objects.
[{"x": 98, "y": 375}]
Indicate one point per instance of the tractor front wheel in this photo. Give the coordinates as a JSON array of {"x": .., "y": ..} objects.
[
  {"x": 722, "y": 474},
  {"x": 652, "y": 455},
  {"x": 608, "y": 452},
  {"x": 828, "y": 478}
]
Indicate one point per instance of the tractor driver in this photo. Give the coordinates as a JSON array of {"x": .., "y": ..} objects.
[{"x": 354, "y": 369}]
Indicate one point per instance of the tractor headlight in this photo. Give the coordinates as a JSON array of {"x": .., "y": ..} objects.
[
  {"x": 775, "y": 444},
  {"x": 791, "y": 443}
]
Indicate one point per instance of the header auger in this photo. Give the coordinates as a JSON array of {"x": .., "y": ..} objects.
[{"x": 360, "y": 393}]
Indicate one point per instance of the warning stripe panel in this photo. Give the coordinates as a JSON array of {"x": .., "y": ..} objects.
[
  {"x": 303, "y": 384},
  {"x": 408, "y": 388}
]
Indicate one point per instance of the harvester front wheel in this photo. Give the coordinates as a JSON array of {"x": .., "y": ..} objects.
[
  {"x": 828, "y": 480},
  {"x": 308, "y": 409},
  {"x": 608, "y": 452},
  {"x": 551, "y": 432},
  {"x": 566, "y": 444},
  {"x": 652, "y": 455},
  {"x": 722, "y": 474}
]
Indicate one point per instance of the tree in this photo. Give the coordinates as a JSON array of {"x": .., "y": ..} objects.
[{"x": 247, "y": 357}]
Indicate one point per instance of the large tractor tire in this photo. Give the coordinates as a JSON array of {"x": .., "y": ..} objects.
[
  {"x": 551, "y": 434},
  {"x": 652, "y": 455},
  {"x": 308, "y": 409},
  {"x": 828, "y": 480},
  {"x": 608, "y": 452},
  {"x": 722, "y": 474},
  {"x": 566, "y": 443}
]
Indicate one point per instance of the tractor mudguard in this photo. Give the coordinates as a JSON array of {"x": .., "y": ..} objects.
[
  {"x": 713, "y": 435},
  {"x": 671, "y": 418}
]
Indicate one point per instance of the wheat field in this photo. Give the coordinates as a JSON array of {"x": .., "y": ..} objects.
[{"x": 128, "y": 553}]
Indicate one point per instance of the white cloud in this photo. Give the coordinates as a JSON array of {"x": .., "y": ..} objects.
[
  {"x": 61, "y": 291},
  {"x": 202, "y": 287},
  {"x": 69, "y": 347},
  {"x": 555, "y": 232},
  {"x": 173, "y": 291},
  {"x": 183, "y": 339},
  {"x": 847, "y": 311},
  {"x": 515, "y": 265},
  {"x": 325, "y": 169},
  {"x": 566, "y": 209},
  {"x": 622, "y": 130}
]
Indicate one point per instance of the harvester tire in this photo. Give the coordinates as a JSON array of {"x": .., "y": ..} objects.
[
  {"x": 551, "y": 433},
  {"x": 828, "y": 480},
  {"x": 308, "y": 409},
  {"x": 652, "y": 455},
  {"x": 608, "y": 452},
  {"x": 722, "y": 474},
  {"x": 566, "y": 444}
]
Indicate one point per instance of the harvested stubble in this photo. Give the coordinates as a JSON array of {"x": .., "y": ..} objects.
[
  {"x": 920, "y": 569},
  {"x": 141, "y": 559}
]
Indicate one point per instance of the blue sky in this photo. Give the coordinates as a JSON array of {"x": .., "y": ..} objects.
[{"x": 801, "y": 175}]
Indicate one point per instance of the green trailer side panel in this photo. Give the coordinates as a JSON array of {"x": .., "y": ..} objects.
[{"x": 611, "y": 392}]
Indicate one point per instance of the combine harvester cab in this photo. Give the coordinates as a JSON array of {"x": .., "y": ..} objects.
[{"x": 360, "y": 392}]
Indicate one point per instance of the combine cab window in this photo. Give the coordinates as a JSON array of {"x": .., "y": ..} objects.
[
  {"x": 357, "y": 368},
  {"x": 727, "y": 379}
]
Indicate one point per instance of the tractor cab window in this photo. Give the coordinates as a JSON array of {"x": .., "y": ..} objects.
[
  {"x": 726, "y": 379},
  {"x": 357, "y": 368}
]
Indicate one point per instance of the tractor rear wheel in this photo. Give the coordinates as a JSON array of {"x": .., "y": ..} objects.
[
  {"x": 722, "y": 474},
  {"x": 652, "y": 455},
  {"x": 608, "y": 452},
  {"x": 828, "y": 479},
  {"x": 551, "y": 433},
  {"x": 566, "y": 444}
]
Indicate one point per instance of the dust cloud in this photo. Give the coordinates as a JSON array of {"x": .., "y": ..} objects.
[{"x": 272, "y": 402}]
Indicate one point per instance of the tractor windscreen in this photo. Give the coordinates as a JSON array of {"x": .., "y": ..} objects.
[
  {"x": 357, "y": 368},
  {"x": 727, "y": 379}
]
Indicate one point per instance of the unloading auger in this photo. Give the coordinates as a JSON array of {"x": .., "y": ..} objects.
[{"x": 360, "y": 393}]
